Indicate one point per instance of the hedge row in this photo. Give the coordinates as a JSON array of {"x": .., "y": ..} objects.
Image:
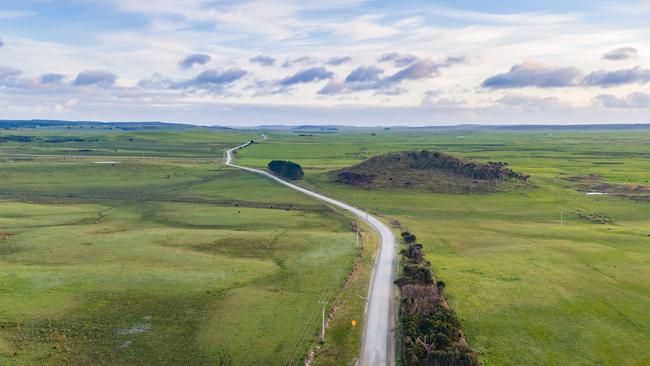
[{"x": 431, "y": 331}]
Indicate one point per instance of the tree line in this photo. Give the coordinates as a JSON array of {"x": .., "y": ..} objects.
[
  {"x": 432, "y": 335},
  {"x": 486, "y": 171}
]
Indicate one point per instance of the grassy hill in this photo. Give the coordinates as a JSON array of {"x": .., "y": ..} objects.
[{"x": 428, "y": 170}]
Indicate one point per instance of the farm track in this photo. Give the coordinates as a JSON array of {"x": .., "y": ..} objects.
[{"x": 377, "y": 343}]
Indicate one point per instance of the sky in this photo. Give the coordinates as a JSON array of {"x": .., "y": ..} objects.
[{"x": 344, "y": 62}]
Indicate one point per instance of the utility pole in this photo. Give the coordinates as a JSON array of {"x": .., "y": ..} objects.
[
  {"x": 322, "y": 329},
  {"x": 357, "y": 237}
]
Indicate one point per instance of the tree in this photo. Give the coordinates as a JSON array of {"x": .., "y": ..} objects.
[{"x": 286, "y": 169}]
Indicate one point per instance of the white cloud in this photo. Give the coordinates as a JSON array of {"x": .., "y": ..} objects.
[
  {"x": 8, "y": 14},
  {"x": 636, "y": 100},
  {"x": 338, "y": 35}
]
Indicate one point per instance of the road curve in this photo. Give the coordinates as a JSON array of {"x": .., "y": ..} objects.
[{"x": 377, "y": 341}]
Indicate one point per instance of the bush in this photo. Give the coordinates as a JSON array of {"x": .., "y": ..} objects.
[
  {"x": 418, "y": 274},
  {"x": 441, "y": 286},
  {"x": 408, "y": 237},
  {"x": 458, "y": 356},
  {"x": 286, "y": 169}
]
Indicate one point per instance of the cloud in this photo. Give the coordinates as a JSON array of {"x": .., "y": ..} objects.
[
  {"x": 333, "y": 87},
  {"x": 307, "y": 76},
  {"x": 364, "y": 74},
  {"x": 361, "y": 78},
  {"x": 531, "y": 74},
  {"x": 7, "y": 71},
  {"x": 195, "y": 59},
  {"x": 423, "y": 69},
  {"x": 8, "y": 14},
  {"x": 340, "y": 60},
  {"x": 267, "y": 87},
  {"x": 530, "y": 103},
  {"x": 67, "y": 106},
  {"x": 99, "y": 78},
  {"x": 368, "y": 78},
  {"x": 2, "y": 44},
  {"x": 435, "y": 98},
  {"x": 452, "y": 60},
  {"x": 399, "y": 59},
  {"x": 52, "y": 78},
  {"x": 302, "y": 60},
  {"x": 10, "y": 76},
  {"x": 212, "y": 80},
  {"x": 156, "y": 81},
  {"x": 636, "y": 100},
  {"x": 622, "y": 53},
  {"x": 514, "y": 18},
  {"x": 263, "y": 60},
  {"x": 618, "y": 77}
]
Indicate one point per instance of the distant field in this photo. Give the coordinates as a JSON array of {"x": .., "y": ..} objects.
[
  {"x": 530, "y": 289},
  {"x": 141, "y": 248}
]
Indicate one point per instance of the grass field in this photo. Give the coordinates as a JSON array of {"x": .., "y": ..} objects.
[
  {"x": 163, "y": 256},
  {"x": 530, "y": 289},
  {"x": 141, "y": 248}
]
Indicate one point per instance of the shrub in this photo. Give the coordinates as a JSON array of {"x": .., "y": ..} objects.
[
  {"x": 441, "y": 286},
  {"x": 418, "y": 274},
  {"x": 458, "y": 356},
  {"x": 408, "y": 237}
]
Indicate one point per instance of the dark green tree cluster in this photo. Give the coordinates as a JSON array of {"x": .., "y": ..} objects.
[
  {"x": 17, "y": 138},
  {"x": 286, "y": 169},
  {"x": 486, "y": 171},
  {"x": 431, "y": 331}
]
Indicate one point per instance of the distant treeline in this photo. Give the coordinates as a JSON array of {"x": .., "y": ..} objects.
[
  {"x": 431, "y": 331},
  {"x": 128, "y": 126},
  {"x": 286, "y": 169},
  {"x": 17, "y": 138},
  {"x": 51, "y": 139}
]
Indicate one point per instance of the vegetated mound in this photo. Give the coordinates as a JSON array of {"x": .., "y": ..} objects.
[
  {"x": 286, "y": 169},
  {"x": 429, "y": 170}
]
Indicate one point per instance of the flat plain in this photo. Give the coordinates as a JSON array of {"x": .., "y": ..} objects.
[
  {"x": 141, "y": 248},
  {"x": 543, "y": 275}
]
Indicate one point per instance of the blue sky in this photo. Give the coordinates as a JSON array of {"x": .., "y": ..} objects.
[{"x": 340, "y": 62}]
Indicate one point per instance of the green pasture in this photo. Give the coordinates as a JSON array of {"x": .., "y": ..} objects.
[
  {"x": 167, "y": 259},
  {"x": 532, "y": 281}
]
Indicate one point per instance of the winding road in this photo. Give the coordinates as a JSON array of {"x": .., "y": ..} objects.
[{"x": 377, "y": 341}]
